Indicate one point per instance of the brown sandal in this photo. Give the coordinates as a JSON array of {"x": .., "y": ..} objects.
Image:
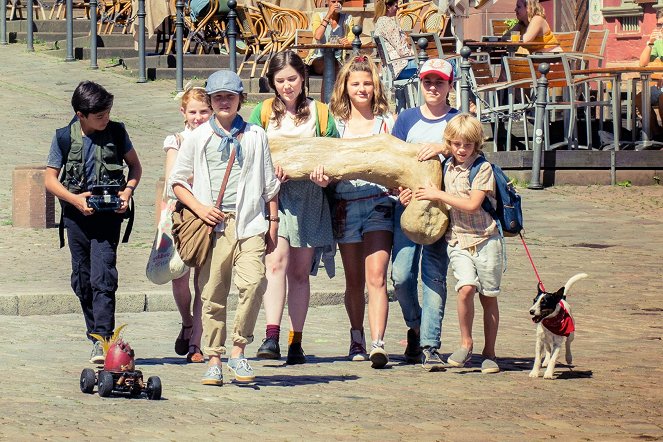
[
  {"x": 182, "y": 343},
  {"x": 196, "y": 356}
]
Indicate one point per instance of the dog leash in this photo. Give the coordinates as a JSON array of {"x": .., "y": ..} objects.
[{"x": 522, "y": 238}]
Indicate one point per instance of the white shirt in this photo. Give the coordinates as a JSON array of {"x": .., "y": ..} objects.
[{"x": 257, "y": 182}]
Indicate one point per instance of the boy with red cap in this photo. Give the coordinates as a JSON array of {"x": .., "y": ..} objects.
[{"x": 424, "y": 125}]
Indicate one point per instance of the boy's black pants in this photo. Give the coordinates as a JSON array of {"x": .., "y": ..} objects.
[{"x": 93, "y": 244}]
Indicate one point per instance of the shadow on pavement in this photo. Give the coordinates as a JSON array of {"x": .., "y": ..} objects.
[
  {"x": 161, "y": 361},
  {"x": 295, "y": 380}
]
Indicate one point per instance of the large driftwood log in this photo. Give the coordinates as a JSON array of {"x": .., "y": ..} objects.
[{"x": 381, "y": 159}]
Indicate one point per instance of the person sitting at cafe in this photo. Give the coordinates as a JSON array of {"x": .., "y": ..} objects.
[
  {"x": 533, "y": 28},
  {"x": 331, "y": 26},
  {"x": 396, "y": 41},
  {"x": 652, "y": 55}
]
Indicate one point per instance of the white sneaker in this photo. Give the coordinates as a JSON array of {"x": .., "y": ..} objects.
[{"x": 378, "y": 356}]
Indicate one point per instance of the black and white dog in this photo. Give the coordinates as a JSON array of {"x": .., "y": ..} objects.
[{"x": 552, "y": 314}]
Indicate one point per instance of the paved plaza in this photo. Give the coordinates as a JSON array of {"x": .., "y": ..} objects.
[{"x": 610, "y": 393}]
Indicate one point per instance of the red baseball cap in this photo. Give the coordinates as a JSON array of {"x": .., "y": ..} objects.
[{"x": 439, "y": 67}]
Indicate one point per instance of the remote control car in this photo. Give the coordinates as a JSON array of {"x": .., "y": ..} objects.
[
  {"x": 104, "y": 198},
  {"x": 120, "y": 382},
  {"x": 119, "y": 374}
]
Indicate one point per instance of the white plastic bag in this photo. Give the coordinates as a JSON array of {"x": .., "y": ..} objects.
[{"x": 164, "y": 264}]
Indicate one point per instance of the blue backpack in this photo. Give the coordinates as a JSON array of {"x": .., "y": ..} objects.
[{"x": 509, "y": 213}]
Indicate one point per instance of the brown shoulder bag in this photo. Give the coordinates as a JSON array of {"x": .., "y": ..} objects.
[{"x": 193, "y": 237}]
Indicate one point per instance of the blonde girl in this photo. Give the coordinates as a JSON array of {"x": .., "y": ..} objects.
[
  {"x": 363, "y": 214},
  {"x": 196, "y": 109}
]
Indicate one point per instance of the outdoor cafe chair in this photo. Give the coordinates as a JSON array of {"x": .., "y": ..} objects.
[
  {"x": 409, "y": 15},
  {"x": 59, "y": 10},
  {"x": 568, "y": 41},
  {"x": 574, "y": 97},
  {"x": 209, "y": 30},
  {"x": 112, "y": 13},
  {"x": 282, "y": 24},
  {"x": 188, "y": 24},
  {"x": 254, "y": 34},
  {"x": 434, "y": 48},
  {"x": 502, "y": 99},
  {"x": 498, "y": 26},
  {"x": 17, "y": 6},
  {"x": 592, "y": 54},
  {"x": 404, "y": 91},
  {"x": 434, "y": 21}
]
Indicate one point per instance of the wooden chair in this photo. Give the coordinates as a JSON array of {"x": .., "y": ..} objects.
[
  {"x": 106, "y": 13},
  {"x": 254, "y": 34},
  {"x": 188, "y": 25},
  {"x": 59, "y": 9},
  {"x": 302, "y": 37},
  {"x": 282, "y": 24},
  {"x": 434, "y": 21},
  {"x": 498, "y": 26},
  {"x": 409, "y": 15},
  {"x": 112, "y": 13},
  {"x": 209, "y": 30},
  {"x": 16, "y": 10},
  {"x": 404, "y": 91},
  {"x": 507, "y": 97},
  {"x": 448, "y": 45},
  {"x": 434, "y": 48},
  {"x": 568, "y": 41},
  {"x": 573, "y": 90}
]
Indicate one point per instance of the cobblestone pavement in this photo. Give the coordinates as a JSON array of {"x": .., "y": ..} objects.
[{"x": 611, "y": 393}]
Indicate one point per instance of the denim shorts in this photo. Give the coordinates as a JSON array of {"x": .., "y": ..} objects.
[
  {"x": 352, "y": 219},
  {"x": 481, "y": 266}
]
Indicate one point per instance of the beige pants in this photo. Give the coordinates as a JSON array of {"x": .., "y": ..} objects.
[{"x": 247, "y": 257}]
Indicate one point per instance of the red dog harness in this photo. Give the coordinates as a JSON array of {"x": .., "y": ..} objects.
[{"x": 562, "y": 324}]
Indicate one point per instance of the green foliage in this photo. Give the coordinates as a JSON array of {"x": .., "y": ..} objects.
[
  {"x": 518, "y": 183},
  {"x": 511, "y": 22},
  {"x": 625, "y": 183},
  {"x": 657, "y": 179}
]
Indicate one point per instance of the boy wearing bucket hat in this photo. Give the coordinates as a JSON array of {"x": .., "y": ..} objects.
[
  {"x": 424, "y": 125},
  {"x": 228, "y": 151}
]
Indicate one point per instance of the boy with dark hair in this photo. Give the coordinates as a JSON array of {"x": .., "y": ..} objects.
[
  {"x": 91, "y": 152},
  {"x": 424, "y": 125}
]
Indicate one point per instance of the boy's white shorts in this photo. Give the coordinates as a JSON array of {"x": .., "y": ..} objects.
[{"x": 481, "y": 266}]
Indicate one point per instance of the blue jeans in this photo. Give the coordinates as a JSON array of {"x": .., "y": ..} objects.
[{"x": 404, "y": 275}]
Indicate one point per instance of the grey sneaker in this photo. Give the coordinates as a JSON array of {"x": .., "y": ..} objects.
[
  {"x": 97, "y": 356},
  {"x": 431, "y": 360},
  {"x": 489, "y": 365},
  {"x": 213, "y": 376},
  {"x": 378, "y": 356},
  {"x": 241, "y": 369},
  {"x": 460, "y": 357}
]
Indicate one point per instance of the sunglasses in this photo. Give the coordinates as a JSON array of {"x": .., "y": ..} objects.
[{"x": 361, "y": 58}]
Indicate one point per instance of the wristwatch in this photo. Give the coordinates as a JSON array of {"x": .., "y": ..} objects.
[
  {"x": 133, "y": 189},
  {"x": 274, "y": 219}
]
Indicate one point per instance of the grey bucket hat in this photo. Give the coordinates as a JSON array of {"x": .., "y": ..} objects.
[{"x": 224, "y": 81}]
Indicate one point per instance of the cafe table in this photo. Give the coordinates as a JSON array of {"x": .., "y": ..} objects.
[
  {"x": 645, "y": 74},
  {"x": 329, "y": 70},
  {"x": 509, "y": 46}
]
